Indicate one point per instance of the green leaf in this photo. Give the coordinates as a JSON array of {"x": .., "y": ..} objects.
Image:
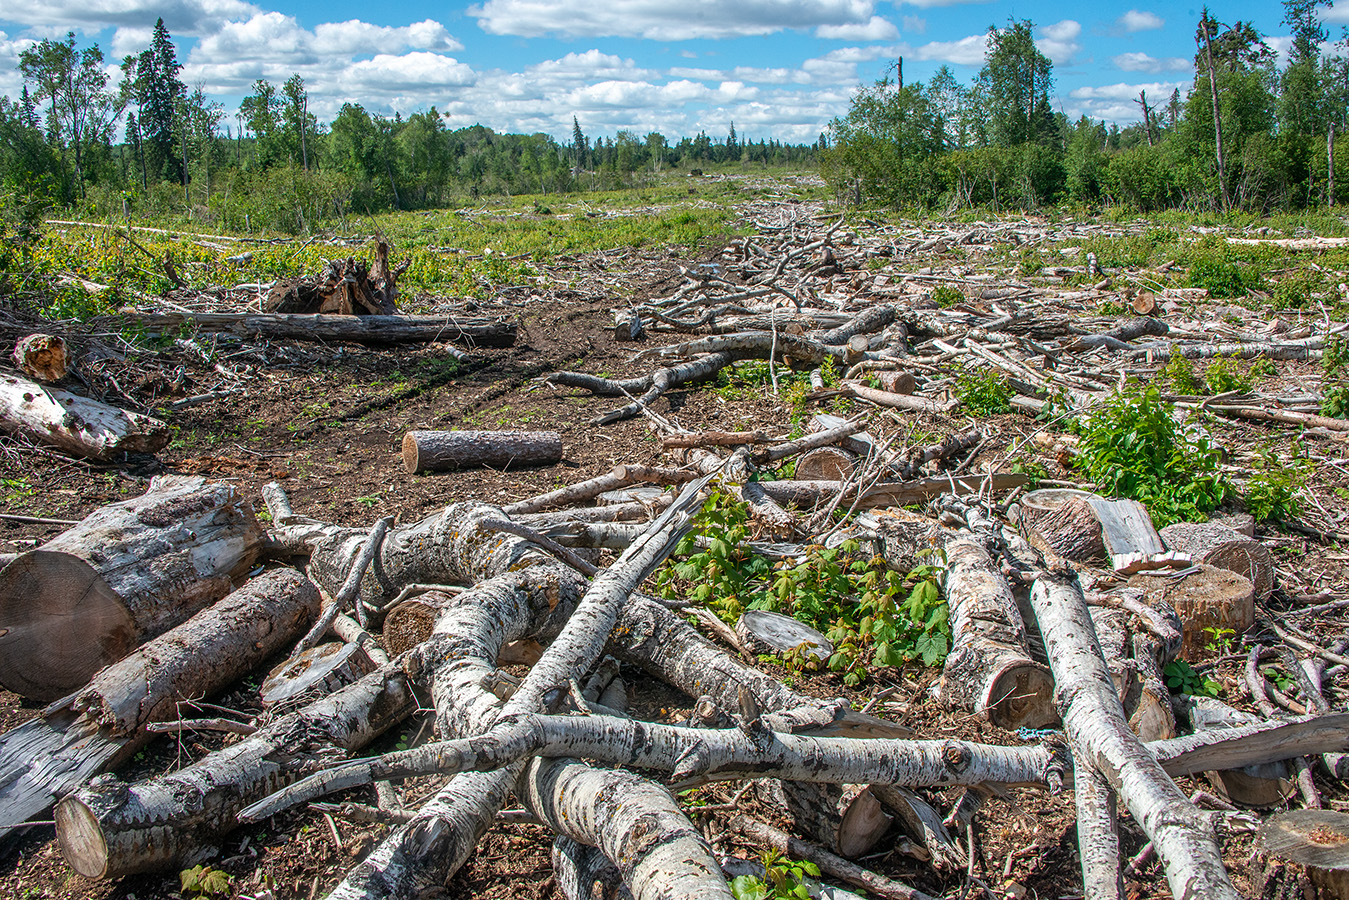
[{"x": 747, "y": 887}]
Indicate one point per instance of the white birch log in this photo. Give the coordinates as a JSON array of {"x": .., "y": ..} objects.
[
  {"x": 78, "y": 425},
  {"x": 126, "y": 573},
  {"x": 1100, "y": 737},
  {"x": 989, "y": 669}
]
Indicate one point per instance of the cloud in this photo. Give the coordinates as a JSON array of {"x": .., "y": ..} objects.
[
  {"x": 914, "y": 24},
  {"x": 968, "y": 51},
  {"x": 1116, "y": 102},
  {"x": 877, "y": 29},
  {"x": 1141, "y": 62},
  {"x": 1134, "y": 21},
  {"x": 189, "y": 17},
  {"x": 933, "y": 4},
  {"x": 1059, "y": 41},
  {"x": 358, "y": 38},
  {"x": 1122, "y": 91},
  {"x": 664, "y": 21}
]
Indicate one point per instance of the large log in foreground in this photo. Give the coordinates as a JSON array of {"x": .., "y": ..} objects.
[
  {"x": 432, "y": 451},
  {"x": 126, "y": 573},
  {"x": 479, "y": 332},
  {"x": 75, "y": 424},
  {"x": 54, "y": 754}
]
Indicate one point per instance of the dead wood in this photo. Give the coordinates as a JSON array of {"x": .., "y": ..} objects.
[
  {"x": 41, "y": 356},
  {"x": 1063, "y": 521},
  {"x": 1205, "y": 598},
  {"x": 434, "y": 451},
  {"x": 77, "y": 425},
  {"x": 1304, "y": 853},
  {"x": 372, "y": 329},
  {"x": 1224, "y": 548},
  {"x": 126, "y": 573}
]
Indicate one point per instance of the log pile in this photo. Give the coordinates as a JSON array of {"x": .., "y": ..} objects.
[{"x": 1073, "y": 621}]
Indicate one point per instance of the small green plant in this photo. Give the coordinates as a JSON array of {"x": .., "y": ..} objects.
[
  {"x": 1335, "y": 379},
  {"x": 984, "y": 392},
  {"x": 1279, "y": 678},
  {"x": 1296, "y": 291},
  {"x": 944, "y": 295},
  {"x": 1133, "y": 447},
  {"x": 1220, "y": 640},
  {"x": 1181, "y": 678},
  {"x": 1274, "y": 487},
  {"x": 1032, "y": 469},
  {"x": 785, "y": 879},
  {"x": 205, "y": 882},
  {"x": 1224, "y": 375},
  {"x": 1179, "y": 373}
]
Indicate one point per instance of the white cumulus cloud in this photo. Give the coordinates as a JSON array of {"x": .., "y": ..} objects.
[
  {"x": 189, "y": 17},
  {"x": 665, "y": 21},
  {"x": 1059, "y": 41},
  {"x": 968, "y": 51},
  {"x": 877, "y": 29},
  {"x": 1136, "y": 20},
  {"x": 1141, "y": 62}
]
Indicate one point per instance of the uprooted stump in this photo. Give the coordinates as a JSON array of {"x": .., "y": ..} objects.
[{"x": 348, "y": 287}]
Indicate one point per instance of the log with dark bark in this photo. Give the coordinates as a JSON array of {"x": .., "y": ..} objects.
[
  {"x": 103, "y": 724},
  {"x": 468, "y": 332},
  {"x": 78, "y": 425},
  {"x": 126, "y": 573},
  {"x": 1225, "y": 548},
  {"x": 433, "y": 451},
  {"x": 41, "y": 356},
  {"x": 989, "y": 669}
]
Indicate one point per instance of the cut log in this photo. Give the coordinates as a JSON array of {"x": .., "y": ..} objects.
[
  {"x": 805, "y": 494},
  {"x": 846, "y": 819},
  {"x": 923, "y": 824},
  {"x": 54, "y": 754},
  {"x": 1305, "y": 853},
  {"x": 825, "y": 464},
  {"x": 1137, "y": 676},
  {"x": 1205, "y": 598},
  {"x": 1064, "y": 521},
  {"x": 989, "y": 669},
  {"x": 907, "y": 540},
  {"x": 1259, "y": 786},
  {"x": 762, "y": 631},
  {"x": 356, "y": 329},
  {"x": 433, "y": 451},
  {"x": 78, "y": 425},
  {"x": 314, "y": 673},
  {"x": 1226, "y": 548},
  {"x": 41, "y": 356},
  {"x": 1130, "y": 540},
  {"x": 628, "y": 326},
  {"x": 898, "y": 382},
  {"x": 126, "y": 573},
  {"x": 856, "y": 441}
]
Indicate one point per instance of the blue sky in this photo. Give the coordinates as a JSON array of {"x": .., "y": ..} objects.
[{"x": 775, "y": 68}]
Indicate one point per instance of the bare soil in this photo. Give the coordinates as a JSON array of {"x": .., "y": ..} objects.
[{"x": 327, "y": 422}]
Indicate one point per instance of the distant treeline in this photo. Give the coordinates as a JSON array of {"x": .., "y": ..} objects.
[
  {"x": 1270, "y": 144},
  {"x": 273, "y": 164}
]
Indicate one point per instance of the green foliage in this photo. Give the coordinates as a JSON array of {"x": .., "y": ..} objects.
[
  {"x": 985, "y": 392},
  {"x": 1298, "y": 289},
  {"x": 204, "y": 882},
  {"x": 1274, "y": 488},
  {"x": 1179, "y": 373},
  {"x": 1223, "y": 279},
  {"x": 1335, "y": 378},
  {"x": 1223, "y": 375},
  {"x": 1181, "y": 678},
  {"x": 944, "y": 295},
  {"x": 872, "y": 615},
  {"x": 1132, "y": 446},
  {"x": 785, "y": 879}
]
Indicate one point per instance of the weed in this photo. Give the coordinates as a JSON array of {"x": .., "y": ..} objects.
[
  {"x": 1297, "y": 290},
  {"x": 985, "y": 392},
  {"x": 1220, "y": 640},
  {"x": 1225, "y": 375},
  {"x": 1133, "y": 447},
  {"x": 1335, "y": 378},
  {"x": 1032, "y": 469},
  {"x": 1179, "y": 373},
  {"x": 784, "y": 879},
  {"x": 944, "y": 295},
  {"x": 1181, "y": 678},
  {"x": 205, "y": 882},
  {"x": 1273, "y": 489}
]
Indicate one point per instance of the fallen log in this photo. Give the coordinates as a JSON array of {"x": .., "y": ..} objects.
[
  {"x": 78, "y": 425},
  {"x": 846, "y": 819},
  {"x": 433, "y": 451},
  {"x": 103, "y": 724},
  {"x": 355, "y": 329},
  {"x": 1063, "y": 520},
  {"x": 1099, "y": 735},
  {"x": 126, "y": 573},
  {"x": 989, "y": 669},
  {"x": 41, "y": 356}
]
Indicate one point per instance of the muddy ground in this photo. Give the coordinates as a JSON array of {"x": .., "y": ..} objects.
[{"x": 327, "y": 422}]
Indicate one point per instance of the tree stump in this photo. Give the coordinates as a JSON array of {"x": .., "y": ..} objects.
[
  {"x": 1064, "y": 521},
  {"x": 433, "y": 451},
  {"x": 1304, "y": 854},
  {"x": 907, "y": 540},
  {"x": 41, "y": 356},
  {"x": 126, "y": 573},
  {"x": 1224, "y": 547},
  {"x": 846, "y": 818},
  {"x": 1205, "y": 598}
]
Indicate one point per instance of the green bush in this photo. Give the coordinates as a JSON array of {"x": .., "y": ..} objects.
[
  {"x": 1133, "y": 447},
  {"x": 985, "y": 392}
]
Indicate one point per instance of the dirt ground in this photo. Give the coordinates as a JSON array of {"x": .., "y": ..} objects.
[{"x": 327, "y": 422}]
